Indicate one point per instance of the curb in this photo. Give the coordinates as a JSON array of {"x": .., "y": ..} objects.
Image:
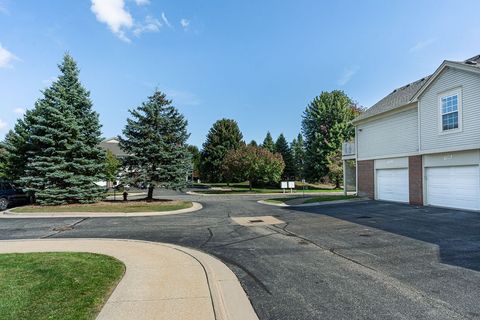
[
  {"x": 229, "y": 299},
  {"x": 230, "y": 302},
  {"x": 8, "y": 214}
]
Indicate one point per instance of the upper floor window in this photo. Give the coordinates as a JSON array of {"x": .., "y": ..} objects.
[{"x": 450, "y": 110}]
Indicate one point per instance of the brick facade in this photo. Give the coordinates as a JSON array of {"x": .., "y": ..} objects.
[
  {"x": 415, "y": 178},
  {"x": 366, "y": 183}
]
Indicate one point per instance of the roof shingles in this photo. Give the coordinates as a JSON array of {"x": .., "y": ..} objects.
[{"x": 403, "y": 96}]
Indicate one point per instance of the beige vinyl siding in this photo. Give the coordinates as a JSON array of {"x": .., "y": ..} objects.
[
  {"x": 469, "y": 135},
  {"x": 389, "y": 136}
]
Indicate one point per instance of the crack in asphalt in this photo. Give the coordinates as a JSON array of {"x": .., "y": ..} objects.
[
  {"x": 245, "y": 240},
  {"x": 64, "y": 228},
  {"x": 210, "y": 236},
  {"x": 244, "y": 269},
  {"x": 331, "y": 250}
]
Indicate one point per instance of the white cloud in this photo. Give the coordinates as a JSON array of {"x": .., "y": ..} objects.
[
  {"x": 19, "y": 111},
  {"x": 185, "y": 23},
  {"x": 142, "y": 2},
  {"x": 114, "y": 14},
  {"x": 151, "y": 25},
  {"x": 347, "y": 75},
  {"x": 6, "y": 58},
  {"x": 165, "y": 20},
  {"x": 3, "y": 125},
  {"x": 422, "y": 45}
]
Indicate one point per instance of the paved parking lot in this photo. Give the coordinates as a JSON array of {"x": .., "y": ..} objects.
[{"x": 363, "y": 260}]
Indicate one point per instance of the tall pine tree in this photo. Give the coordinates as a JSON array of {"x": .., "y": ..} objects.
[
  {"x": 298, "y": 152},
  {"x": 155, "y": 141},
  {"x": 282, "y": 147},
  {"x": 268, "y": 143},
  {"x": 60, "y": 139},
  {"x": 326, "y": 124},
  {"x": 224, "y": 136}
]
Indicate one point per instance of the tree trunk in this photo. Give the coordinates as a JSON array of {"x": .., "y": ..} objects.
[
  {"x": 150, "y": 193},
  {"x": 250, "y": 185}
]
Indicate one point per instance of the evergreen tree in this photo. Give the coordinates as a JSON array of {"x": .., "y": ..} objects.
[
  {"x": 59, "y": 138},
  {"x": 268, "y": 143},
  {"x": 298, "y": 153},
  {"x": 16, "y": 146},
  {"x": 326, "y": 124},
  {"x": 155, "y": 141},
  {"x": 253, "y": 143},
  {"x": 282, "y": 147},
  {"x": 195, "y": 160},
  {"x": 223, "y": 137}
]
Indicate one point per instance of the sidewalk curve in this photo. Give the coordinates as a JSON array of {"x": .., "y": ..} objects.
[
  {"x": 162, "y": 281},
  {"x": 16, "y": 215}
]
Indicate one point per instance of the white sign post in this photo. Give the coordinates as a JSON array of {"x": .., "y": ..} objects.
[
  {"x": 284, "y": 185},
  {"x": 291, "y": 185},
  {"x": 287, "y": 185}
]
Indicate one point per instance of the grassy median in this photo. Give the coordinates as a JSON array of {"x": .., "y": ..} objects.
[
  {"x": 37, "y": 286},
  {"x": 310, "y": 199},
  {"x": 110, "y": 206}
]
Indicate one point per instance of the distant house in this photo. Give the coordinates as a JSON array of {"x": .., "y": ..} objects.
[
  {"x": 112, "y": 144},
  {"x": 421, "y": 143}
]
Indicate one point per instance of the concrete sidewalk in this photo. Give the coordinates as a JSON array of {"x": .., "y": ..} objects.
[{"x": 161, "y": 281}]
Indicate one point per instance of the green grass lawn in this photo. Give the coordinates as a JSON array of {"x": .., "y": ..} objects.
[
  {"x": 280, "y": 200},
  {"x": 242, "y": 187},
  {"x": 328, "y": 198},
  {"x": 37, "y": 286},
  {"x": 109, "y": 206},
  {"x": 311, "y": 200}
]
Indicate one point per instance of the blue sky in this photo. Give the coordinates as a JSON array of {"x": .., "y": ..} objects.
[{"x": 259, "y": 62}]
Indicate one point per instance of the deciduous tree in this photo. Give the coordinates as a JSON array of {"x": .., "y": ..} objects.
[{"x": 253, "y": 164}]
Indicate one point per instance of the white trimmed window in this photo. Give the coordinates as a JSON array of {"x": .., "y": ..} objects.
[{"x": 450, "y": 111}]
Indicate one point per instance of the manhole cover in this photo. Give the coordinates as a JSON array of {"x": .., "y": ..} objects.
[{"x": 257, "y": 221}]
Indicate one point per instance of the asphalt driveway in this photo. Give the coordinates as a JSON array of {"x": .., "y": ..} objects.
[{"x": 363, "y": 260}]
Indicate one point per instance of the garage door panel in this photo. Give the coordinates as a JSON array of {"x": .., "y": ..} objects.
[
  {"x": 392, "y": 185},
  {"x": 455, "y": 187}
]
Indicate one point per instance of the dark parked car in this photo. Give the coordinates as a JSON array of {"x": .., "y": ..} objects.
[{"x": 11, "y": 195}]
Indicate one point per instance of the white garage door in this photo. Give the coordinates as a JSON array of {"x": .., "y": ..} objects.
[
  {"x": 392, "y": 185},
  {"x": 454, "y": 187}
]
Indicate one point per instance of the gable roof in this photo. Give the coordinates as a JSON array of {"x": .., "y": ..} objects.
[
  {"x": 398, "y": 98},
  {"x": 112, "y": 144},
  {"x": 409, "y": 93}
]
